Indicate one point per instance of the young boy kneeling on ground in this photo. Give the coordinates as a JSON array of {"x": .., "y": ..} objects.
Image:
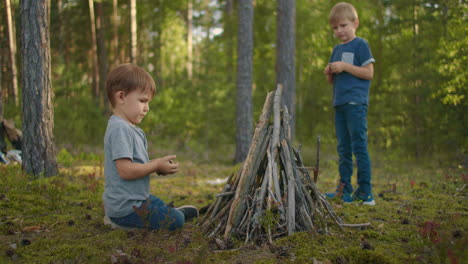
[{"x": 127, "y": 199}]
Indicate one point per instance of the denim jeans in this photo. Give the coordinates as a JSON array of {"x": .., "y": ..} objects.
[
  {"x": 154, "y": 214},
  {"x": 351, "y": 133}
]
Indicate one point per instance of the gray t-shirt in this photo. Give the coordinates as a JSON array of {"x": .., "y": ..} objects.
[{"x": 123, "y": 140}]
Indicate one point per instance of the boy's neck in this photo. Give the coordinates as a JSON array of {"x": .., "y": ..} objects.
[
  {"x": 351, "y": 39},
  {"x": 120, "y": 115}
]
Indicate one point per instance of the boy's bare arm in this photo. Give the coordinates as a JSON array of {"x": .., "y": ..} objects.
[
  {"x": 365, "y": 72},
  {"x": 328, "y": 74},
  {"x": 129, "y": 170}
]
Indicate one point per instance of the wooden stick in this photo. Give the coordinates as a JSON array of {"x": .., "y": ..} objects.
[
  {"x": 276, "y": 120},
  {"x": 219, "y": 215},
  {"x": 219, "y": 200},
  {"x": 316, "y": 170},
  {"x": 250, "y": 166},
  {"x": 275, "y": 145},
  {"x": 356, "y": 225},
  {"x": 223, "y": 194},
  {"x": 306, "y": 168},
  {"x": 291, "y": 219}
]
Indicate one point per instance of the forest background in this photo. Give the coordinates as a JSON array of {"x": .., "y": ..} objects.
[{"x": 418, "y": 99}]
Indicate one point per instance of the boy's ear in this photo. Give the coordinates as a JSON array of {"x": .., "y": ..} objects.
[
  {"x": 120, "y": 95},
  {"x": 356, "y": 23}
]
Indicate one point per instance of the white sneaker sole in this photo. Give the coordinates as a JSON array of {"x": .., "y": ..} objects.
[
  {"x": 369, "y": 203},
  {"x": 107, "y": 221}
]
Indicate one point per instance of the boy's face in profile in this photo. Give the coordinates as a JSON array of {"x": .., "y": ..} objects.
[
  {"x": 133, "y": 106},
  {"x": 345, "y": 29}
]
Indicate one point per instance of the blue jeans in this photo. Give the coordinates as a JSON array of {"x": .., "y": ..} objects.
[
  {"x": 351, "y": 133},
  {"x": 154, "y": 214}
]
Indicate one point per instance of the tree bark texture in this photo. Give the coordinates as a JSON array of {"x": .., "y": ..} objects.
[
  {"x": 285, "y": 56},
  {"x": 38, "y": 112},
  {"x": 244, "y": 119}
]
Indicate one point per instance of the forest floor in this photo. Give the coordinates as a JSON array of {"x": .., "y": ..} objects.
[{"x": 421, "y": 216}]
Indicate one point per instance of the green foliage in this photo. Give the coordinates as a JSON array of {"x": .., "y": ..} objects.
[
  {"x": 418, "y": 93},
  {"x": 78, "y": 120},
  {"x": 269, "y": 219},
  {"x": 65, "y": 158}
]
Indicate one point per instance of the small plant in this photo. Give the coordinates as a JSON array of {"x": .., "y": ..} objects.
[
  {"x": 270, "y": 218},
  {"x": 429, "y": 230},
  {"x": 64, "y": 158}
]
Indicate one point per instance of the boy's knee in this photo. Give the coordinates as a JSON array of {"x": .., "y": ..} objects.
[{"x": 178, "y": 220}]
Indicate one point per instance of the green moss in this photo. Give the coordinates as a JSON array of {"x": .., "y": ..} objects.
[
  {"x": 59, "y": 220},
  {"x": 357, "y": 255}
]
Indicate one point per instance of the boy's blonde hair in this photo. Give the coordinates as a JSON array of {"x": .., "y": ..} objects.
[
  {"x": 128, "y": 77},
  {"x": 343, "y": 10}
]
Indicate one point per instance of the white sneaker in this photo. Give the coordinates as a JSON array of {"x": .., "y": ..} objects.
[
  {"x": 189, "y": 211},
  {"x": 371, "y": 202},
  {"x": 107, "y": 221}
]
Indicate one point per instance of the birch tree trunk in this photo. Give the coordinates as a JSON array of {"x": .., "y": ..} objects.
[
  {"x": 133, "y": 32},
  {"x": 12, "y": 50},
  {"x": 244, "y": 119},
  {"x": 189, "y": 40},
  {"x": 285, "y": 56},
  {"x": 94, "y": 58},
  {"x": 38, "y": 111}
]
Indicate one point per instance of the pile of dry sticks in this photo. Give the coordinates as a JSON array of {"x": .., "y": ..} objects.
[{"x": 272, "y": 194}]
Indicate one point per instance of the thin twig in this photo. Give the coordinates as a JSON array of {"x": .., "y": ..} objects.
[{"x": 355, "y": 225}]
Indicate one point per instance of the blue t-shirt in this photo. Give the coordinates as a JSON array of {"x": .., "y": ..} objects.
[
  {"x": 123, "y": 140},
  {"x": 347, "y": 87}
]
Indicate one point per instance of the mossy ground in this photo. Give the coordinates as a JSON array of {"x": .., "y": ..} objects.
[{"x": 421, "y": 216}]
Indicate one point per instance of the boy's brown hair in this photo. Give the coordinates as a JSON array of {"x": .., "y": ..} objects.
[
  {"x": 343, "y": 10},
  {"x": 128, "y": 77}
]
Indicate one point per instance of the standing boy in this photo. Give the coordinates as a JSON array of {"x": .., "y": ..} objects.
[
  {"x": 127, "y": 201},
  {"x": 350, "y": 71}
]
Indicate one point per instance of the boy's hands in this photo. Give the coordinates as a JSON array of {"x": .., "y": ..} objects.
[
  {"x": 337, "y": 67},
  {"x": 328, "y": 73},
  {"x": 166, "y": 165},
  {"x": 365, "y": 72}
]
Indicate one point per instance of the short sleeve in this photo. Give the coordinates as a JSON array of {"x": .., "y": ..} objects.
[
  {"x": 121, "y": 142},
  {"x": 365, "y": 54},
  {"x": 332, "y": 55}
]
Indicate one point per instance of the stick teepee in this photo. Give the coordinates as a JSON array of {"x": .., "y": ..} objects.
[{"x": 272, "y": 194}]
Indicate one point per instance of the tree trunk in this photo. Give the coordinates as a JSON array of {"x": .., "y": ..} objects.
[
  {"x": 285, "y": 56},
  {"x": 12, "y": 51},
  {"x": 1, "y": 71},
  {"x": 101, "y": 48},
  {"x": 133, "y": 31},
  {"x": 38, "y": 111},
  {"x": 189, "y": 40},
  {"x": 416, "y": 83},
  {"x": 158, "y": 46},
  {"x": 95, "y": 87},
  {"x": 115, "y": 38},
  {"x": 244, "y": 119}
]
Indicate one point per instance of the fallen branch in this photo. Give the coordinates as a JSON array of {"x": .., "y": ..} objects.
[{"x": 355, "y": 225}]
